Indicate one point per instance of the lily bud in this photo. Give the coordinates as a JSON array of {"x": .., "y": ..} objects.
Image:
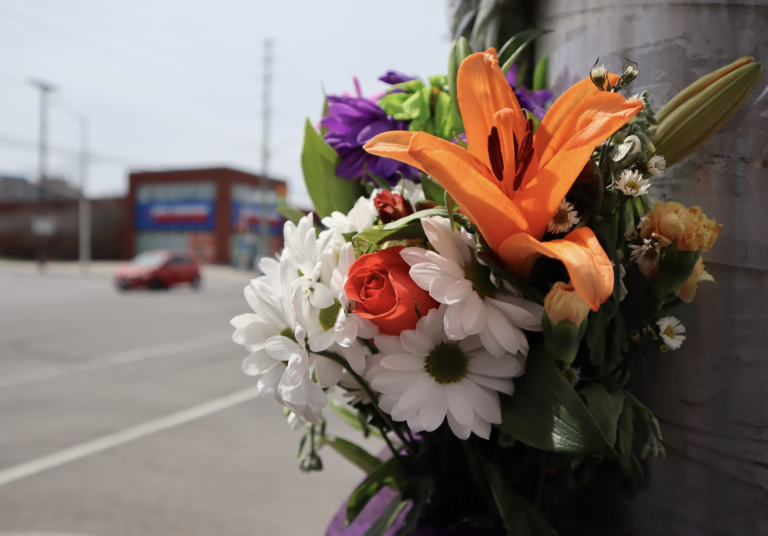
[
  {"x": 695, "y": 114},
  {"x": 564, "y": 322}
]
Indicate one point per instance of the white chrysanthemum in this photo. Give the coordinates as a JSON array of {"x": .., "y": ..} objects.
[
  {"x": 630, "y": 146},
  {"x": 671, "y": 331},
  {"x": 632, "y": 184},
  {"x": 308, "y": 253},
  {"x": 424, "y": 377},
  {"x": 360, "y": 218},
  {"x": 656, "y": 166},
  {"x": 622, "y": 287},
  {"x": 476, "y": 305},
  {"x": 564, "y": 218},
  {"x": 647, "y": 254}
]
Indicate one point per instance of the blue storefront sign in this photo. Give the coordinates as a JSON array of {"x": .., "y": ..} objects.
[
  {"x": 175, "y": 216},
  {"x": 248, "y": 216}
]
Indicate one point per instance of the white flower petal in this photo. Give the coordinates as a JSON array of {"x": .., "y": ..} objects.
[
  {"x": 423, "y": 274},
  {"x": 281, "y": 348},
  {"x": 432, "y": 412},
  {"x": 490, "y": 343},
  {"x": 257, "y": 363},
  {"x": 414, "y": 256},
  {"x": 416, "y": 394},
  {"x": 458, "y": 403},
  {"x": 440, "y": 286},
  {"x": 499, "y": 367},
  {"x": 484, "y": 401},
  {"x": 322, "y": 340},
  {"x": 394, "y": 381},
  {"x": 473, "y": 317},
  {"x": 459, "y": 292},
  {"x": 503, "y": 385},
  {"x": 522, "y": 313},
  {"x": 402, "y": 362},
  {"x": 387, "y": 402},
  {"x": 481, "y": 427},
  {"x": 414, "y": 423},
  {"x": 320, "y": 296},
  {"x": 389, "y": 344},
  {"x": 416, "y": 343},
  {"x": 459, "y": 430},
  {"x": 508, "y": 335},
  {"x": 452, "y": 323},
  {"x": 431, "y": 325},
  {"x": 327, "y": 372}
]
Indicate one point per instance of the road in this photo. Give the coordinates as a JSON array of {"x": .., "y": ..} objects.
[{"x": 128, "y": 414}]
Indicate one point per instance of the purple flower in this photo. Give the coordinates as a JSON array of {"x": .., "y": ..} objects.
[
  {"x": 351, "y": 123},
  {"x": 532, "y": 101},
  {"x": 395, "y": 77}
]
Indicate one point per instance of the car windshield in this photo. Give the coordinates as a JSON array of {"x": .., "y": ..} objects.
[{"x": 150, "y": 258}]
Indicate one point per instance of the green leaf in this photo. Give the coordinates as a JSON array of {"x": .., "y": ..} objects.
[
  {"x": 390, "y": 473},
  {"x": 355, "y": 454},
  {"x": 675, "y": 266},
  {"x": 460, "y": 49},
  {"x": 515, "y": 46},
  {"x": 545, "y": 412},
  {"x": 411, "y": 86},
  {"x": 596, "y": 330},
  {"x": 290, "y": 214},
  {"x": 605, "y": 406},
  {"x": 432, "y": 191},
  {"x": 402, "y": 222},
  {"x": 380, "y": 181},
  {"x": 520, "y": 517},
  {"x": 387, "y": 517},
  {"x": 350, "y": 418},
  {"x": 626, "y": 431},
  {"x": 407, "y": 232},
  {"x": 319, "y": 162},
  {"x": 535, "y": 120},
  {"x": 323, "y": 129},
  {"x": 540, "y": 74},
  {"x": 442, "y": 116},
  {"x": 392, "y": 103},
  {"x": 419, "y": 491},
  {"x": 451, "y": 205}
]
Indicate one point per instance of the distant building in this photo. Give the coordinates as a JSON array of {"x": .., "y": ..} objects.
[
  {"x": 215, "y": 213},
  {"x": 15, "y": 189}
]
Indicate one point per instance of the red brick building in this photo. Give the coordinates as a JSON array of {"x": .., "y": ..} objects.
[{"x": 213, "y": 212}]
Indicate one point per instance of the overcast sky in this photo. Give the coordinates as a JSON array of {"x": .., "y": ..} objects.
[{"x": 177, "y": 83}]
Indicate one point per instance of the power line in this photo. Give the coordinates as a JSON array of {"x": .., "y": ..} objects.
[{"x": 103, "y": 159}]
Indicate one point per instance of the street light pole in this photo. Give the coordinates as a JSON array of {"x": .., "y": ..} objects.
[
  {"x": 84, "y": 207},
  {"x": 42, "y": 241},
  {"x": 264, "y": 188}
]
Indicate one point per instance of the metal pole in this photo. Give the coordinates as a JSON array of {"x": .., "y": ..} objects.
[
  {"x": 84, "y": 219},
  {"x": 42, "y": 209},
  {"x": 264, "y": 187}
]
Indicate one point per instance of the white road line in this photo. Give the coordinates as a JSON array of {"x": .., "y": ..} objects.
[
  {"x": 121, "y": 358},
  {"x": 100, "y": 444}
]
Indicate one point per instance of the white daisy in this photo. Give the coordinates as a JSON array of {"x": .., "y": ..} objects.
[
  {"x": 476, "y": 305},
  {"x": 360, "y": 218},
  {"x": 564, "y": 218},
  {"x": 656, "y": 166},
  {"x": 630, "y": 146},
  {"x": 425, "y": 377},
  {"x": 670, "y": 330},
  {"x": 647, "y": 254},
  {"x": 632, "y": 184},
  {"x": 307, "y": 253}
]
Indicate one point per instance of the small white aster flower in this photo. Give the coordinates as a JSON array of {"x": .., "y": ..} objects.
[
  {"x": 632, "y": 184},
  {"x": 656, "y": 166},
  {"x": 425, "y": 377},
  {"x": 476, "y": 305},
  {"x": 638, "y": 96},
  {"x": 598, "y": 75},
  {"x": 646, "y": 255},
  {"x": 573, "y": 375},
  {"x": 564, "y": 218},
  {"x": 671, "y": 331},
  {"x": 630, "y": 146}
]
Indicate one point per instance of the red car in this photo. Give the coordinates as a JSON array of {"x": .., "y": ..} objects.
[{"x": 158, "y": 269}]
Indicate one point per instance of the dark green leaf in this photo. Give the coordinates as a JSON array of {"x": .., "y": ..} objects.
[
  {"x": 540, "y": 74},
  {"x": 319, "y": 162},
  {"x": 596, "y": 331},
  {"x": 545, "y": 412},
  {"x": 387, "y": 517},
  {"x": 402, "y": 222},
  {"x": 515, "y": 46},
  {"x": 626, "y": 434},
  {"x": 432, "y": 191},
  {"x": 290, "y": 214},
  {"x": 390, "y": 473},
  {"x": 451, "y": 205},
  {"x": 459, "y": 50},
  {"x": 323, "y": 130},
  {"x": 350, "y": 418},
  {"x": 605, "y": 406},
  {"x": 380, "y": 181},
  {"x": 520, "y": 516},
  {"x": 419, "y": 491},
  {"x": 355, "y": 454},
  {"x": 407, "y": 232},
  {"x": 675, "y": 266}
]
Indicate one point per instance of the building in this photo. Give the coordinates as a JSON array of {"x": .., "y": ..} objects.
[
  {"x": 16, "y": 189},
  {"x": 215, "y": 213}
]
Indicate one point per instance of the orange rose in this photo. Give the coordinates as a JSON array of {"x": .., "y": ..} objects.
[{"x": 385, "y": 293}]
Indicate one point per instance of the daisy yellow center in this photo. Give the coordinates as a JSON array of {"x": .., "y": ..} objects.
[
  {"x": 447, "y": 363},
  {"x": 480, "y": 277},
  {"x": 669, "y": 331},
  {"x": 632, "y": 185},
  {"x": 560, "y": 217},
  {"x": 329, "y": 314},
  {"x": 288, "y": 332}
]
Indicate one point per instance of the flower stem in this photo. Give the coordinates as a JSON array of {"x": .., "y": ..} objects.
[{"x": 372, "y": 396}]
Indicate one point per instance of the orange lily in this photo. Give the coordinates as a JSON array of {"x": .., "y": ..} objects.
[{"x": 511, "y": 181}]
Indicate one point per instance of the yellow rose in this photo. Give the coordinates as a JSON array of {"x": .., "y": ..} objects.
[
  {"x": 672, "y": 222},
  {"x": 698, "y": 274},
  {"x": 562, "y": 303}
]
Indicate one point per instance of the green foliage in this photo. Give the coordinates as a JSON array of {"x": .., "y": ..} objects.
[
  {"x": 389, "y": 474},
  {"x": 545, "y": 412},
  {"x": 319, "y": 162},
  {"x": 540, "y": 74},
  {"x": 432, "y": 191},
  {"x": 605, "y": 406},
  {"x": 459, "y": 51},
  {"x": 513, "y": 48},
  {"x": 355, "y": 454},
  {"x": 290, "y": 213}
]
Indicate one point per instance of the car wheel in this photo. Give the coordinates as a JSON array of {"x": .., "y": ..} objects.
[
  {"x": 195, "y": 283},
  {"x": 157, "y": 284}
]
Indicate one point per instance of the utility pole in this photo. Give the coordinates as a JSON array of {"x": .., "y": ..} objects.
[
  {"x": 266, "y": 112},
  {"x": 43, "y": 227},
  {"x": 84, "y": 219}
]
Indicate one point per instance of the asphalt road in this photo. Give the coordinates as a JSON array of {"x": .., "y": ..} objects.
[{"x": 127, "y": 414}]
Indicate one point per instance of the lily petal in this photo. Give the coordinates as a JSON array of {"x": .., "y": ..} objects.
[
  {"x": 468, "y": 181},
  {"x": 561, "y": 109},
  {"x": 393, "y": 144},
  {"x": 588, "y": 125},
  {"x": 589, "y": 267}
]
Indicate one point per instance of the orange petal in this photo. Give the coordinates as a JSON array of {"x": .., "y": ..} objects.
[
  {"x": 561, "y": 109},
  {"x": 588, "y": 125},
  {"x": 393, "y": 144},
  {"x": 482, "y": 91},
  {"x": 589, "y": 267},
  {"x": 472, "y": 186}
]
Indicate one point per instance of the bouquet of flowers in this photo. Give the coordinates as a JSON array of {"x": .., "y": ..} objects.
[{"x": 477, "y": 281}]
